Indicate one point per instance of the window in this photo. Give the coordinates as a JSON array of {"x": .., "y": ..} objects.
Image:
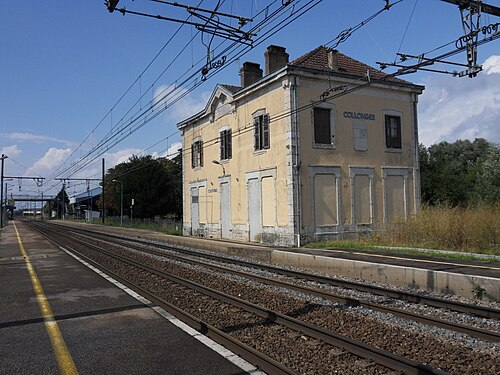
[
  {"x": 261, "y": 132},
  {"x": 226, "y": 148},
  {"x": 392, "y": 131},
  {"x": 322, "y": 126},
  {"x": 197, "y": 154}
]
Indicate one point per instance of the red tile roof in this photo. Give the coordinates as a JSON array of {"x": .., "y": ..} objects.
[{"x": 318, "y": 59}]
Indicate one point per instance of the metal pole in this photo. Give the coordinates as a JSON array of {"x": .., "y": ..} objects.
[
  {"x": 121, "y": 203},
  {"x": 102, "y": 194},
  {"x": 63, "y": 202},
  {"x": 1, "y": 194},
  {"x": 6, "y": 198}
]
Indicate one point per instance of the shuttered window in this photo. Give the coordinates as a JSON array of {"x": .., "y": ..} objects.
[
  {"x": 197, "y": 154},
  {"x": 261, "y": 132},
  {"x": 226, "y": 148},
  {"x": 392, "y": 132},
  {"x": 322, "y": 126}
]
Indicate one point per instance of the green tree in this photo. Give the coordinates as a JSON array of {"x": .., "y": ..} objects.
[
  {"x": 450, "y": 171},
  {"x": 487, "y": 184},
  {"x": 58, "y": 204},
  {"x": 155, "y": 184}
]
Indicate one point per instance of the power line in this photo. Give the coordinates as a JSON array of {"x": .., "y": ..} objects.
[
  {"x": 167, "y": 43},
  {"x": 119, "y": 132}
]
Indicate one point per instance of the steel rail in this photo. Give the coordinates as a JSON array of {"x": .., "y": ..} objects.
[
  {"x": 408, "y": 315},
  {"x": 480, "y": 311},
  {"x": 251, "y": 355},
  {"x": 355, "y": 347}
]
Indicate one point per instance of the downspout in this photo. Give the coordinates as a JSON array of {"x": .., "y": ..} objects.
[
  {"x": 416, "y": 165},
  {"x": 296, "y": 163}
]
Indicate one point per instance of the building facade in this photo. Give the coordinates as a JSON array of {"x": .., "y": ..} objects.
[{"x": 316, "y": 148}]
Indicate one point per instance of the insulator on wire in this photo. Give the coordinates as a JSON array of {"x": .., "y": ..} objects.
[{"x": 111, "y": 5}]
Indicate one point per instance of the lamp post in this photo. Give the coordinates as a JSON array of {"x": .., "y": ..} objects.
[
  {"x": 121, "y": 201},
  {"x": 223, "y": 169}
]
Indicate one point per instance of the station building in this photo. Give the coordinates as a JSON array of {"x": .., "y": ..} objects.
[{"x": 320, "y": 147}]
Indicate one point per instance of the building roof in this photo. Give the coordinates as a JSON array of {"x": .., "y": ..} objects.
[
  {"x": 318, "y": 59},
  {"x": 92, "y": 193},
  {"x": 232, "y": 89}
]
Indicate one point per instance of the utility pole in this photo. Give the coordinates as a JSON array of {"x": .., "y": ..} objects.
[{"x": 1, "y": 194}]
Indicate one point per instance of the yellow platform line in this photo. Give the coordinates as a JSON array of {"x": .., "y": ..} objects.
[
  {"x": 64, "y": 359},
  {"x": 411, "y": 259}
]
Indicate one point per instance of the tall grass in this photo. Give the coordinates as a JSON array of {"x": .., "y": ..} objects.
[
  {"x": 472, "y": 229},
  {"x": 167, "y": 226}
]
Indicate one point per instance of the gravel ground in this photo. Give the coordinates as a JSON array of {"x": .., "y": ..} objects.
[
  {"x": 437, "y": 348},
  {"x": 448, "y": 351}
]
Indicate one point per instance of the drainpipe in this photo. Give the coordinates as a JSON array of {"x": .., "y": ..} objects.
[
  {"x": 296, "y": 163},
  {"x": 416, "y": 163}
]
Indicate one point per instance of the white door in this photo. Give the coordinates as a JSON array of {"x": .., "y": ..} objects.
[
  {"x": 254, "y": 210},
  {"x": 225, "y": 209},
  {"x": 195, "y": 211}
]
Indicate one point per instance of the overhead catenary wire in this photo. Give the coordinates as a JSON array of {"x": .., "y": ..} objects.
[
  {"x": 407, "y": 25},
  {"x": 281, "y": 115},
  {"x": 176, "y": 99},
  {"x": 344, "y": 35},
  {"x": 167, "y": 43},
  {"x": 306, "y": 108},
  {"x": 276, "y": 118},
  {"x": 117, "y": 130}
]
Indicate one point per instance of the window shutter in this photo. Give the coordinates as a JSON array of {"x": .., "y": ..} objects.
[
  {"x": 398, "y": 132},
  {"x": 265, "y": 131},
  {"x": 256, "y": 130},
  {"x": 221, "y": 147},
  {"x": 387, "y": 132},
  {"x": 200, "y": 145},
  {"x": 229, "y": 144},
  {"x": 193, "y": 155}
]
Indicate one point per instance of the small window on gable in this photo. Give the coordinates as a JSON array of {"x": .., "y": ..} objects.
[
  {"x": 261, "y": 132},
  {"x": 226, "y": 148},
  {"x": 322, "y": 126},
  {"x": 392, "y": 132},
  {"x": 197, "y": 154}
]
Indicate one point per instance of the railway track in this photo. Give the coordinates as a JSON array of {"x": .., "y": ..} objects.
[
  {"x": 266, "y": 315},
  {"x": 476, "y": 310},
  {"x": 381, "y": 307}
]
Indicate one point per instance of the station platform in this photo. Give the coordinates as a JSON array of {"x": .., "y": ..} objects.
[
  {"x": 60, "y": 316},
  {"x": 437, "y": 274}
]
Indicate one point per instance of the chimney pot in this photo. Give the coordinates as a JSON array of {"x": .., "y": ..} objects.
[
  {"x": 250, "y": 73},
  {"x": 276, "y": 58}
]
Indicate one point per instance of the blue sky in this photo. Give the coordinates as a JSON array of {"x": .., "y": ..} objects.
[{"x": 65, "y": 64}]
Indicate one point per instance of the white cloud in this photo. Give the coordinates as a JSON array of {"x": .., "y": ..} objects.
[
  {"x": 49, "y": 162},
  {"x": 171, "y": 152},
  {"x": 183, "y": 105},
  {"x": 461, "y": 108},
  {"x": 11, "y": 151},
  {"x": 94, "y": 170},
  {"x": 28, "y": 137},
  {"x": 492, "y": 65}
]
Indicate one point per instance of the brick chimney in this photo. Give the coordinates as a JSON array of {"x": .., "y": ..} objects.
[
  {"x": 276, "y": 58},
  {"x": 333, "y": 59},
  {"x": 250, "y": 73}
]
